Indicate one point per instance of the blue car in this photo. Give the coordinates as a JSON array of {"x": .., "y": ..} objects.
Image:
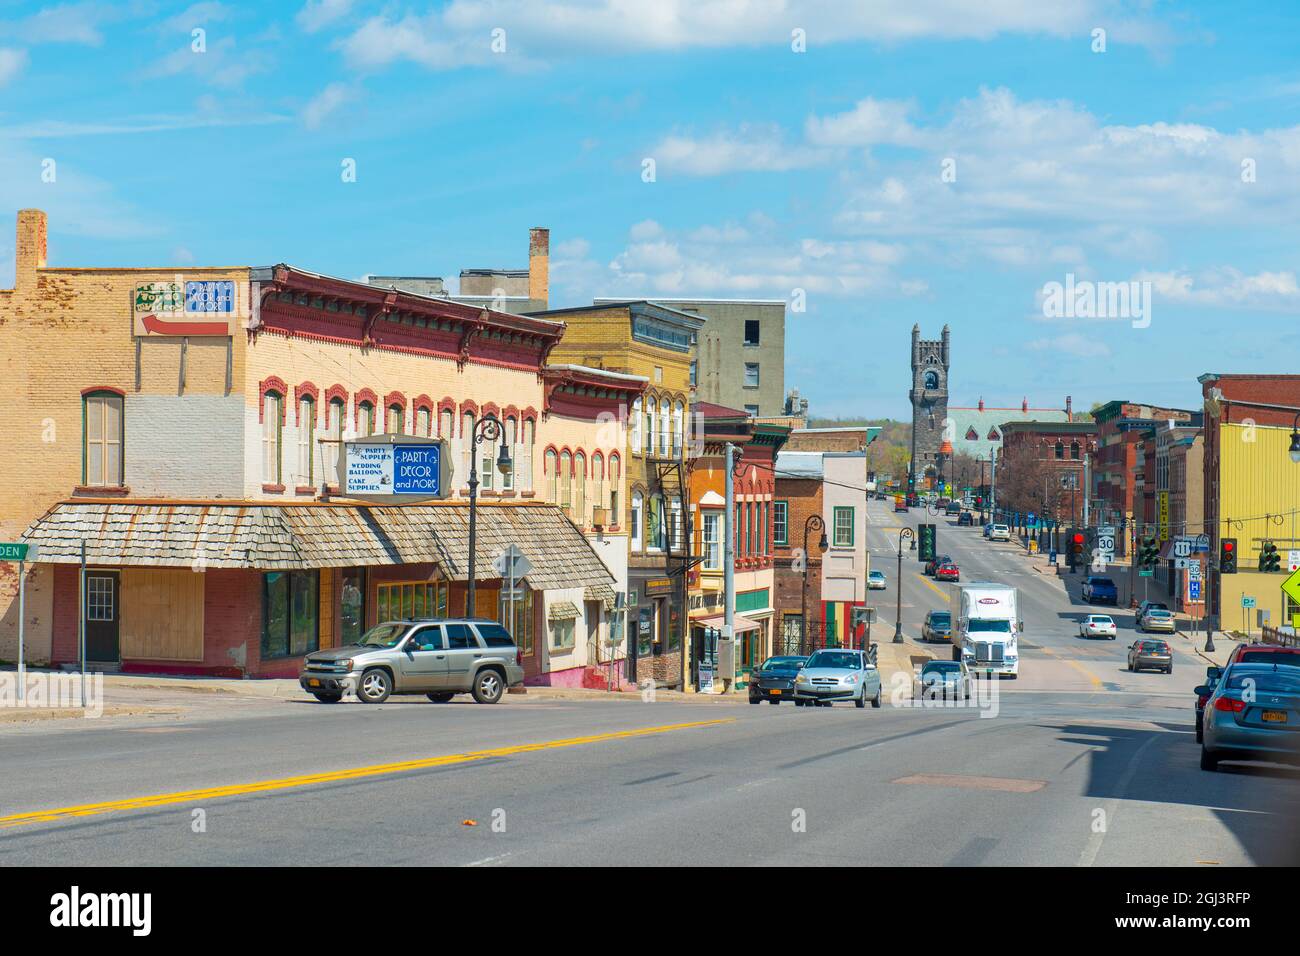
[
  {"x": 1253, "y": 713},
  {"x": 1098, "y": 590}
]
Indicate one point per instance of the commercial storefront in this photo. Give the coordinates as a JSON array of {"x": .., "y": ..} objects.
[{"x": 246, "y": 589}]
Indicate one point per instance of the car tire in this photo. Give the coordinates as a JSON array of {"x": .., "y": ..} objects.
[
  {"x": 875, "y": 701},
  {"x": 440, "y": 697},
  {"x": 1209, "y": 761},
  {"x": 861, "y": 700},
  {"x": 956, "y": 653},
  {"x": 489, "y": 685},
  {"x": 328, "y": 698},
  {"x": 1169, "y": 669},
  {"x": 754, "y": 700},
  {"x": 1200, "y": 732},
  {"x": 375, "y": 686}
]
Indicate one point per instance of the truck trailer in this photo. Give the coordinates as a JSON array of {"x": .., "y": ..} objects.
[{"x": 987, "y": 630}]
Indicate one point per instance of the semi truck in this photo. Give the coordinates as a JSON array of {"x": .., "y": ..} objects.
[{"x": 986, "y": 634}]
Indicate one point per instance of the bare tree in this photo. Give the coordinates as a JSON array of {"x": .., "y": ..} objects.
[{"x": 1028, "y": 483}]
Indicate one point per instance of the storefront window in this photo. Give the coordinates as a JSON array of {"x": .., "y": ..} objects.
[
  {"x": 410, "y": 599},
  {"x": 562, "y": 634},
  {"x": 352, "y": 606},
  {"x": 290, "y": 613},
  {"x": 522, "y": 625}
]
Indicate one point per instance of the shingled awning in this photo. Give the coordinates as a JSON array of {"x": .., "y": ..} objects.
[{"x": 268, "y": 536}]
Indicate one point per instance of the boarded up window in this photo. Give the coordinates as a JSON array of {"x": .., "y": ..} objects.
[{"x": 162, "y": 614}]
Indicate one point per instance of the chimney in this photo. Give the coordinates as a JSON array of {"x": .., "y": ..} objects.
[
  {"x": 29, "y": 250},
  {"x": 1024, "y": 404},
  {"x": 539, "y": 264},
  {"x": 1069, "y": 408},
  {"x": 981, "y": 403}
]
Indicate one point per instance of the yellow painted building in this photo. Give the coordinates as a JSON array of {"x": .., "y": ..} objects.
[
  {"x": 652, "y": 341},
  {"x": 1258, "y": 500}
]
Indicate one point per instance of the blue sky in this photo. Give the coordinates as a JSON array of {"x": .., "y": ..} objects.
[{"x": 775, "y": 169}]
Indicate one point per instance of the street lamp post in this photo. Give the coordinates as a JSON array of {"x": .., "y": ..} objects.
[
  {"x": 487, "y": 429},
  {"x": 1294, "y": 451},
  {"x": 814, "y": 523},
  {"x": 898, "y": 582}
]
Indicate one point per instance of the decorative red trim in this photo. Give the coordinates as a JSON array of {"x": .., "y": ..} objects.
[
  {"x": 615, "y": 461},
  {"x": 491, "y": 408},
  {"x": 566, "y": 450},
  {"x": 271, "y": 384},
  {"x": 585, "y": 460},
  {"x": 332, "y": 393},
  {"x": 306, "y": 388},
  {"x": 423, "y": 401},
  {"x": 510, "y": 411},
  {"x": 395, "y": 398},
  {"x": 103, "y": 388},
  {"x": 272, "y": 489},
  {"x": 102, "y": 491},
  {"x": 469, "y": 405},
  {"x": 365, "y": 395},
  {"x": 594, "y": 455},
  {"x": 304, "y": 490},
  {"x": 529, "y": 414},
  {"x": 548, "y": 450}
]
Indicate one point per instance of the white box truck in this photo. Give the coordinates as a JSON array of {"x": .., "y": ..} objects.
[{"x": 987, "y": 630}]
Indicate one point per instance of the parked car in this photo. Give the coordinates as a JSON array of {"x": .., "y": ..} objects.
[
  {"x": 933, "y": 564},
  {"x": 438, "y": 658},
  {"x": 1000, "y": 532},
  {"x": 1253, "y": 713},
  {"x": 774, "y": 680},
  {"x": 839, "y": 674},
  {"x": 1212, "y": 676},
  {"x": 876, "y": 580},
  {"x": 900, "y": 504},
  {"x": 1156, "y": 655},
  {"x": 1265, "y": 654},
  {"x": 937, "y": 626},
  {"x": 1157, "y": 619},
  {"x": 1099, "y": 590},
  {"x": 942, "y": 679},
  {"x": 953, "y": 508},
  {"x": 965, "y": 519},
  {"x": 988, "y": 527},
  {"x": 1097, "y": 625},
  {"x": 947, "y": 572}
]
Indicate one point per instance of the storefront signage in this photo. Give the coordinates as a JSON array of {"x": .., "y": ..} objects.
[
  {"x": 658, "y": 586},
  {"x": 394, "y": 468},
  {"x": 14, "y": 551},
  {"x": 181, "y": 308}
]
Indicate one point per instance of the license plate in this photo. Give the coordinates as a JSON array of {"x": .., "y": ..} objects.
[
  {"x": 313, "y": 682},
  {"x": 1274, "y": 716},
  {"x": 776, "y": 691}
]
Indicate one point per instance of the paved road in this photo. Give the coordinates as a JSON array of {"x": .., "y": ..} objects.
[{"x": 1084, "y": 763}]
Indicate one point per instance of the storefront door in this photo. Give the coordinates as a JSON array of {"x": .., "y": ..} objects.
[{"x": 102, "y": 616}]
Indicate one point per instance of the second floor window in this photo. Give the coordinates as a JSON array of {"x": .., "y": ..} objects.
[
  {"x": 306, "y": 441},
  {"x": 272, "y": 436},
  {"x": 751, "y": 375},
  {"x": 102, "y": 440},
  {"x": 711, "y": 545},
  {"x": 843, "y": 522},
  {"x": 396, "y": 419},
  {"x": 366, "y": 426},
  {"x": 780, "y": 518}
]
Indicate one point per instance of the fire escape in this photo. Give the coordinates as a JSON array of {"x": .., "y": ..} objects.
[{"x": 670, "y": 483}]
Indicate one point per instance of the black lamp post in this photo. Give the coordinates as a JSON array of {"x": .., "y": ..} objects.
[
  {"x": 487, "y": 429},
  {"x": 814, "y": 523},
  {"x": 1295, "y": 440},
  {"x": 898, "y": 583}
]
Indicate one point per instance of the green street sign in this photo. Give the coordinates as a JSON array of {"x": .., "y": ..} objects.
[
  {"x": 1291, "y": 586},
  {"x": 1146, "y": 573},
  {"x": 17, "y": 551}
]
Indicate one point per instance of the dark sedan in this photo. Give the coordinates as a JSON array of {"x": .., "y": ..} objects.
[
  {"x": 774, "y": 681},
  {"x": 1212, "y": 675}
]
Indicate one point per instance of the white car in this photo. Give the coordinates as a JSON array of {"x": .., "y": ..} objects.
[
  {"x": 1000, "y": 532},
  {"x": 876, "y": 580},
  {"x": 1097, "y": 625}
]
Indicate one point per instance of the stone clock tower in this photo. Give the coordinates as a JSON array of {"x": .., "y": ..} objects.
[{"x": 929, "y": 397}]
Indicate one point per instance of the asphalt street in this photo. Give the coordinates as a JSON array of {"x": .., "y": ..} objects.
[{"x": 1079, "y": 762}]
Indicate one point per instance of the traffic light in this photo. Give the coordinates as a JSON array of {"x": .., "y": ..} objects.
[
  {"x": 926, "y": 544},
  {"x": 979, "y": 502},
  {"x": 1227, "y": 555},
  {"x": 1269, "y": 560},
  {"x": 1150, "y": 552}
]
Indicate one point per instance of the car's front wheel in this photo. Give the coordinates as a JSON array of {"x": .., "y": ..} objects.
[
  {"x": 375, "y": 686},
  {"x": 875, "y": 701},
  {"x": 488, "y": 686}
]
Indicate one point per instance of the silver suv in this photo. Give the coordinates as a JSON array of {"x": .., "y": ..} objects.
[{"x": 440, "y": 658}]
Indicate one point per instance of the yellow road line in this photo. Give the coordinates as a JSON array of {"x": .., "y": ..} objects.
[
  {"x": 934, "y": 587},
  {"x": 306, "y": 780},
  {"x": 1096, "y": 681}
]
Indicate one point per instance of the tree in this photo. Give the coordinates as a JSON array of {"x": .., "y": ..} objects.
[{"x": 1023, "y": 479}]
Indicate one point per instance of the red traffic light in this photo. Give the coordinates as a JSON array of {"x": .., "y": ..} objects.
[
  {"x": 1229, "y": 545},
  {"x": 1078, "y": 539}
]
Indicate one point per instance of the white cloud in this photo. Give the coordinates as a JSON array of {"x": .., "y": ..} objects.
[
  {"x": 869, "y": 123},
  {"x": 12, "y": 62},
  {"x": 646, "y": 229},
  {"x": 750, "y": 148},
  {"x": 1227, "y": 287},
  {"x": 222, "y": 64},
  {"x": 324, "y": 103},
  {"x": 1072, "y": 343},
  {"x": 458, "y": 35},
  {"x": 318, "y": 14}
]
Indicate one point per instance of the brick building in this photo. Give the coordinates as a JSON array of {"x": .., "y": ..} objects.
[
  {"x": 1054, "y": 453},
  {"x": 187, "y": 424}
]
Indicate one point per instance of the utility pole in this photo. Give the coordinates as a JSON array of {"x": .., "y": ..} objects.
[{"x": 729, "y": 568}]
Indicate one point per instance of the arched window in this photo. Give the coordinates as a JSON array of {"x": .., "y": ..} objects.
[
  {"x": 466, "y": 443},
  {"x": 512, "y": 442},
  {"x": 598, "y": 481},
  {"x": 1060, "y": 448},
  {"x": 525, "y": 466},
  {"x": 635, "y": 426},
  {"x": 615, "y": 515},
  {"x": 679, "y": 417},
  {"x": 423, "y": 423},
  {"x": 634, "y": 532},
  {"x": 1074, "y": 450},
  {"x": 446, "y": 424},
  {"x": 334, "y": 450},
  {"x": 665, "y": 425},
  {"x": 651, "y": 417},
  {"x": 366, "y": 427},
  {"x": 580, "y": 489},
  {"x": 272, "y": 437},
  {"x": 101, "y": 439},
  {"x": 932, "y": 379},
  {"x": 306, "y": 441},
  {"x": 566, "y": 482},
  {"x": 551, "y": 475},
  {"x": 396, "y": 423}
]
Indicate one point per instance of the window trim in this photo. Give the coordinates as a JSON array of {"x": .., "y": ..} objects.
[
  {"x": 86, "y": 398},
  {"x": 836, "y": 511}
]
